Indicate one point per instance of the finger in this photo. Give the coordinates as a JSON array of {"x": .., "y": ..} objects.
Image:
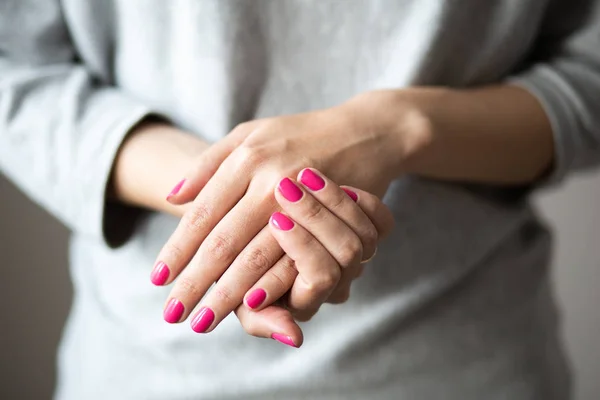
[
  {"x": 215, "y": 255},
  {"x": 248, "y": 267},
  {"x": 208, "y": 163},
  {"x": 341, "y": 293},
  {"x": 218, "y": 197},
  {"x": 340, "y": 204},
  {"x": 318, "y": 271},
  {"x": 274, "y": 284},
  {"x": 330, "y": 232},
  {"x": 273, "y": 322},
  {"x": 376, "y": 210},
  {"x": 335, "y": 236}
]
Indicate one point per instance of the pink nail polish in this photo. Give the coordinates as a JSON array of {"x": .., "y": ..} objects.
[
  {"x": 283, "y": 339},
  {"x": 281, "y": 222},
  {"x": 173, "y": 311},
  {"x": 160, "y": 274},
  {"x": 176, "y": 189},
  {"x": 203, "y": 320},
  {"x": 256, "y": 298},
  {"x": 289, "y": 190},
  {"x": 311, "y": 180},
  {"x": 350, "y": 193}
]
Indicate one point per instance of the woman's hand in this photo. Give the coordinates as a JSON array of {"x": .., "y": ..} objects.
[
  {"x": 135, "y": 181},
  {"x": 323, "y": 231},
  {"x": 236, "y": 203},
  {"x": 301, "y": 239},
  {"x": 325, "y": 244},
  {"x": 322, "y": 235}
]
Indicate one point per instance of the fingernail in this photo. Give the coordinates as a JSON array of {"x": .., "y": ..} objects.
[
  {"x": 283, "y": 339},
  {"x": 350, "y": 193},
  {"x": 281, "y": 222},
  {"x": 256, "y": 298},
  {"x": 311, "y": 180},
  {"x": 203, "y": 320},
  {"x": 160, "y": 273},
  {"x": 173, "y": 311},
  {"x": 289, "y": 190},
  {"x": 176, "y": 189}
]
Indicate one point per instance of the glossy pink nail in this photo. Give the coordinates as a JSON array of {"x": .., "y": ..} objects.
[
  {"x": 350, "y": 193},
  {"x": 203, "y": 320},
  {"x": 256, "y": 298},
  {"x": 173, "y": 311},
  {"x": 289, "y": 190},
  {"x": 311, "y": 180},
  {"x": 283, "y": 339},
  {"x": 176, "y": 189},
  {"x": 160, "y": 274},
  {"x": 281, "y": 222}
]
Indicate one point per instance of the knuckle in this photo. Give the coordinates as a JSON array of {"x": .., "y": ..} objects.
[
  {"x": 189, "y": 286},
  {"x": 349, "y": 253},
  {"x": 250, "y": 155},
  {"x": 283, "y": 276},
  {"x": 325, "y": 282},
  {"x": 173, "y": 253},
  {"x": 223, "y": 295},
  {"x": 338, "y": 201},
  {"x": 196, "y": 218},
  {"x": 256, "y": 261},
  {"x": 220, "y": 247},
  {"x": 313, "y": 211},
  {"x": 370, "y": 237}
]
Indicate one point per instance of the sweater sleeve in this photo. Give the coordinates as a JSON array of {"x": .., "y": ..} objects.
[
  {"x": 60, "y": 126},
  {"x": 564, "y": 75}
]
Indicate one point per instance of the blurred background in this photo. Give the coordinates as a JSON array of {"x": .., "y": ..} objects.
[{"x": 35, "y": 290}]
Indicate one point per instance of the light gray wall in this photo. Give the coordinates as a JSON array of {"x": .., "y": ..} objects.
[{"x": 35, "y": 289}]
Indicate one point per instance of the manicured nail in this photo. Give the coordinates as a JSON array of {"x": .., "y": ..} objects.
[
  {"x": 203, "y": 320},
  {"x": 350, "y": 193},
  {"x": 176, "y": 189},
  {"x": 283, "y": 339},
  {"x": 289, "y": 190},
  {"x": 311, "y": 180},
  {"x": 256, "y": 298},
  {"x": 160, "y": 273},
  {"x": 173, "y": 311},
  {"x": 281, "y": 222}
]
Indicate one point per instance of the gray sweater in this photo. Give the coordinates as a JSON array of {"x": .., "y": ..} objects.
[{"x": 457, "y": 305}]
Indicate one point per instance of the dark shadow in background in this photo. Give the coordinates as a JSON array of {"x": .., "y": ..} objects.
[{"x": 33, "y": 305}]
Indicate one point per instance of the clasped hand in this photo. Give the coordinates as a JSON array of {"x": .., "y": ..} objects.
[{"x": 277, "y": 247}]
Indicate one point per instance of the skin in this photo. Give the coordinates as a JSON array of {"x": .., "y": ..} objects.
[
  {"x": 137, "y": 182},
  {"x": 496, "y": 134}
]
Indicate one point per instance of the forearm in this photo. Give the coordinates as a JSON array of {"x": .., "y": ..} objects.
[
  {"x": 152, "y": 159},
  {"x": 497, "y": 135}
]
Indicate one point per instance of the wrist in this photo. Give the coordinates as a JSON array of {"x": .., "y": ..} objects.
[
  {"x": 494, "y": 135},
  {"x": 404, "y": 119},
  {"x": 152, "y": 158}
]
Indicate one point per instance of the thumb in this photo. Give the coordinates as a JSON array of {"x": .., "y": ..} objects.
[{"x": 273, "y": 322}]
